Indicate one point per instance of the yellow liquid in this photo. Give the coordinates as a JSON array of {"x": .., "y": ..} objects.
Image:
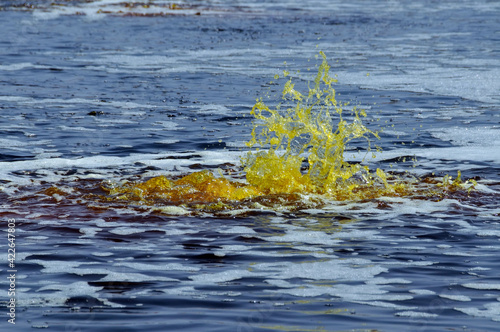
[
  {"x": 297, "y": 151},
  {"x": 314, "y": 128}
]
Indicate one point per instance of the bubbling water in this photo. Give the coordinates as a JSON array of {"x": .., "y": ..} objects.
[{"x": 297, "y": 151}]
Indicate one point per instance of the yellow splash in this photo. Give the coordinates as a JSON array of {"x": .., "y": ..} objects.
[
  {"x": 313, "y": 129},
  {"x": 298, "y": 151}
]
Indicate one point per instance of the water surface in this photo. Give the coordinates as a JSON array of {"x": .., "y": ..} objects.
[{"x": 105, "y": 90}]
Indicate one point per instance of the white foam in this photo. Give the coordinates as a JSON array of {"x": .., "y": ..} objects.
[
  {"x": 469, "y": 136},
  {"x": 99, "y": 9},
  {"x": 145, "y": 246},
  {"x": 102, "y": 254},
  {"x": 310, "y": 237},
  {"x": 383, "y": 304},
  {"x": 169, "y": 125},
  {"x": 168, "y": 141},
  {"x": 66, "y": 128},
  {"x": 460, "y": 298},
  {"x": 21, "y": 66},
  {"x": 236, "y": 144},
  {"x": 60, "y": 294},
  {"x": 133, "y": 277},
  {"x": 363, "y": 294},
  {"x": 158, "y": 266},
  {"x": 480, "y": 83},
  {"x": 458, "y": 253},
  {"x": 162, "y": 160},
  {"x": 414, "y": 248},
  {"x": 491, "y": 310},
  {"x": 482, "y": 286},
  {"x": 385, "y": 281},
  {"x": 54, "y": 266},
  {"x": 11, "y": 143},
  {"x": 78, "y": 288},
  {"x": 23, "y": 255},
  {"x": 81, "y": 268},
  {"x": 173, "y": 210},
  {"x": 478, "y": 268},
  {"x": 280, "y": 283},
  {"x": 224, "y": 276},
  {"x": 422, "y": 291},
  {"x": 351, "y": 269},
  {"x": 232, "y": 248},
  {"x": 216, "y": 109},
  {"x": 402, "y": 206},
  {"x": 237, "y": 230},
  {"x": 36, "y": 238},
  {"x": 409, "y": 263},
  {"x": 72, "y": 101},
  {"x": 34, "y": 216},
  {"x": 415, "y": 314},
  {"x": 437, "y": 157},
  {"x": 89, "y": 231},
  {"x": 489, "y": 232},
  {"x": 127, "y": 230}
]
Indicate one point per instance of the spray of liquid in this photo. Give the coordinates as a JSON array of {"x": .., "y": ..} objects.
[{"x": 312, "y": 129}]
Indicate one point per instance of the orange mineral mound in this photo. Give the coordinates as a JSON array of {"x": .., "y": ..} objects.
[{"x": 198, "y": 187}]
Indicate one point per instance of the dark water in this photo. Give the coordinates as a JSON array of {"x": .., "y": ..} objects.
[{"x": 88, "y": 96}]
